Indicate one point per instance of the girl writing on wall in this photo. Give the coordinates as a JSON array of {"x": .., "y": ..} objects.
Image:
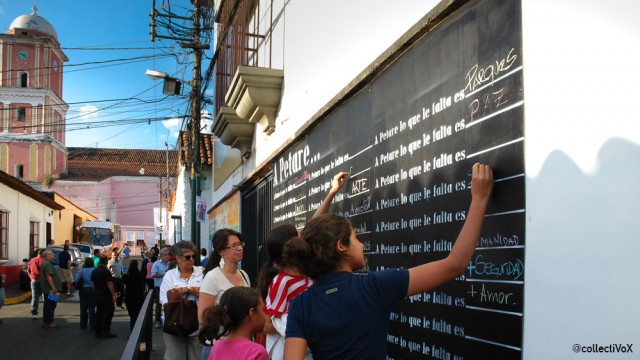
[
  {"x": 346, "y": 316},
  {"x": 281, "y": 278}
]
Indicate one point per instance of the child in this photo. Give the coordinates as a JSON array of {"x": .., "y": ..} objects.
[
  {"x": 239, "y": 315},
  {"x": 281, "y": 278},
  {"x": 287, "y": 283},
  {"x": 346, "y": 316}
]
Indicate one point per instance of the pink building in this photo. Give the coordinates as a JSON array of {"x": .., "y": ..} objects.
[
  {"x": 125, "y": 186},
  {"x": 32, "y": 112}
]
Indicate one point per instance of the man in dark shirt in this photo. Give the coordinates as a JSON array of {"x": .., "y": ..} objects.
[
  {"x": 64, "y": 260},
  {"x": 105, "y": 299},
  {"x": 50, "y": 283},
  {"x": 155, "y": 250}
]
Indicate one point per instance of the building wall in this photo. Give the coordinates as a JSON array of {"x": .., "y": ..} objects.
[
  {"x": 182, "y": 208},
  {"x": 88, "y": 195},
  {"x": 582, "y": 152},
  {"x": 63, "y": 220},
  {"x": 312, "y": 76},
  {"x": 44, "y": 109},
  {"x": 582, "y": 159},
  {"x": 135, "y": 198},
  {"x": 128, "y": 201},
  {"x": 23, "y": 210}
]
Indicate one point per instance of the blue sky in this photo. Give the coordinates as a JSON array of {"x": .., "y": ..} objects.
[{"x": 100, "y": 84}]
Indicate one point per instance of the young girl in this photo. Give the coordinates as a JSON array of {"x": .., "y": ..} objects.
[
  {"x": 346, "y": 316},
  {"x": 239, "y": 315},
  {"x": 278, "y": 289},
  {"x": 281, "y": 278}
]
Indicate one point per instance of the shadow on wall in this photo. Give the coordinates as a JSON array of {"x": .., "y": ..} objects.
[{"x": 582, "y": 252}]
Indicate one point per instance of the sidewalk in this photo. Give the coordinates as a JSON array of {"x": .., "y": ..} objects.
[
  {"x": 14, "y": 295},
  {"x": 22, "y": 337}
]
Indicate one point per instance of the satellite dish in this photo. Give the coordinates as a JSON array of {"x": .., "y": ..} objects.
[{"x": 141, "y": 171}]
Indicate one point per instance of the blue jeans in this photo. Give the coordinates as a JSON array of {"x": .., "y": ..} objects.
[
  {"x": 206, "y": 350},
  {"x": 87, "y": 307},
  {"x": 36, "y": 293}
]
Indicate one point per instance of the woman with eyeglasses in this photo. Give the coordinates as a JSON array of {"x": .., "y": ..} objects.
[
  {"x": 182, "y": 281},
  {"x": 221, "y": 273}
]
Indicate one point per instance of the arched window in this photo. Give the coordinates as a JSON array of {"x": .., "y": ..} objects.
[
  {"x": 18, "y": 171},
  {"x": 23, "y": 80}
]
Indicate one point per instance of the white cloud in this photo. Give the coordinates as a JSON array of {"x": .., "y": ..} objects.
[
  {"x": 88, "y": 111},
  {"x": 173, "y": 125}
]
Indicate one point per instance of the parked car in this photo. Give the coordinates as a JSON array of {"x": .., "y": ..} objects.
[{"x": 85, "y": 249}]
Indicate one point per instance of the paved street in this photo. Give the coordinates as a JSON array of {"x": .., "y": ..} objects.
[
  {"x": 21, "y": 337},
  {"x": 24, "y": 338}
]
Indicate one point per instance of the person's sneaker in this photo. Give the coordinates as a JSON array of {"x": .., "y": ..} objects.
[
  {"x": 34, "y": 317},
  {"x": 49, "y": 326},
  {"x": 69, "y": 294},
  {"x": 158, "y": 324}
]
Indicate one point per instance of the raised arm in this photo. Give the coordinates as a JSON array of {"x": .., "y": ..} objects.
[
  {"x": 336, "y": 184},
  {"x": 434, "y": 274}
]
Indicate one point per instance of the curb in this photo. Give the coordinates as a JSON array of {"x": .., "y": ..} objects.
[{"x": 16, "y": 300}]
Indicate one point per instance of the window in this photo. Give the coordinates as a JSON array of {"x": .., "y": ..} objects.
[
  {"x": 245, "y": 38},
  {"x": 140, "y": 235},
  {"x": 4, "y": 234},
  {"x": 21, "y": 114},
  {"x": 177, "y": 229},
  {"x": 18, "y": 171},
  {"x": 23, "y": 80},
  {"x": 34, "y": 235}
]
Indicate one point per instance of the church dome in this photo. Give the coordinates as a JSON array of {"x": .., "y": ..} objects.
[{"x": 33, "y": 22}]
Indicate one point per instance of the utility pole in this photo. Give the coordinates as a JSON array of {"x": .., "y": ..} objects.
[
  {"x": 195, "y": 128},
  {"x": 160, "y": 227},
  {"x": 195, "y": 98}
]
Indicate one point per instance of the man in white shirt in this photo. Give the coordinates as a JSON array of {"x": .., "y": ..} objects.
[{"x": 115, "y": 266}]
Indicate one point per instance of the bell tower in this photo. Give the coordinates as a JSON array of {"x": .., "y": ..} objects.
[{"x": 32, "y": 112}]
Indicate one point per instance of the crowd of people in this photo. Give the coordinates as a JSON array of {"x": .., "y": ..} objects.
[
  {"x": 308, "y": 300},
  {"x": 307, "y": 279},
  {"x": 100, "y": 283}
]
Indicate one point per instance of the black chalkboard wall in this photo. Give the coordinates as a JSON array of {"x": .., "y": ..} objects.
[{"x": 409, "y": 139}]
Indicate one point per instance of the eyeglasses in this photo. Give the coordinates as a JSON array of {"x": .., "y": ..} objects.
[
  {"x": 189, "y": 257},
  {"x": 235, "y": 246}
]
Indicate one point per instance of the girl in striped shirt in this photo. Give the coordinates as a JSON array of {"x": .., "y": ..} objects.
[{"x": 281, "y": 279}]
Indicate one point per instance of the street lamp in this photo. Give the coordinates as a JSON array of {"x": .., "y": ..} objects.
[{"x": 171, "y": 86}]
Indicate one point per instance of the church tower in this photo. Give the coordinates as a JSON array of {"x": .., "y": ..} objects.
[{"x": 32, "y": 112}]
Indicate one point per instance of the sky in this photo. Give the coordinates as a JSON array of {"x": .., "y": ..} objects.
[{"x": 112, "y": 103}]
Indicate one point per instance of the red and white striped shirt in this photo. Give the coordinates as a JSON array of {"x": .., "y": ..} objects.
[{"x": 282, "y": 289}]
